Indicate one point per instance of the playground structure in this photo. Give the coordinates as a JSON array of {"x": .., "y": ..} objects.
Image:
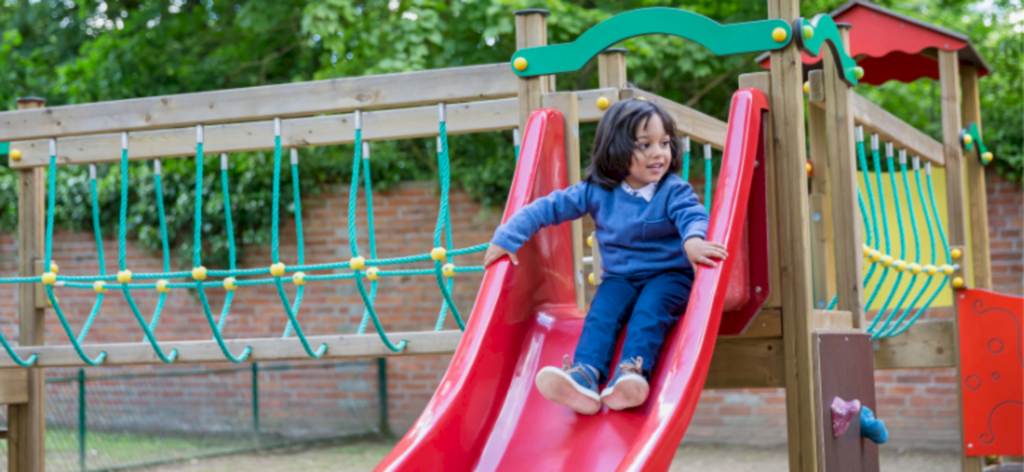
[{"x": 756, "y": 321}]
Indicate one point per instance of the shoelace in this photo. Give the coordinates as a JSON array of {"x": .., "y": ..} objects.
[
  {"x": 569, "y": 369},
  {"x": 632, "y": 366}
]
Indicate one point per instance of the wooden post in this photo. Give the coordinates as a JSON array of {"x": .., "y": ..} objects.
[
  {"x": 822, "y": 259},
  {"x": 787, "y": 142},
  {"x": 568, "y": 104},
  {"x": 532, "y": 31},
  {"x": 27, "y": 422},
  {"x": 842, "y": 169},
  {"x": 976, "y": 195},
  {"x": 611, "y": 68},
  {"x": 949, "y": 72}
]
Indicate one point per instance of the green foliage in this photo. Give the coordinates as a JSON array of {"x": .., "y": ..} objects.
[{"x": 78, "y": 51}]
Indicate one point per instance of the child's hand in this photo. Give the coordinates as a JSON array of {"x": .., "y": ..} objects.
[
  {"x": 495, "y": 252},
  {"x": 699, "y": 251}
]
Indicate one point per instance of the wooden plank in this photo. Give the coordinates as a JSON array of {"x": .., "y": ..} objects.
[
  {"x": 532, "y": 31},
  {"x": 821, "y": 211},
  {"x": 790, "y": 156},
  {"x": 698, "y": 126},
  {"x": 842, "y": 368},
  {"x": 768, "y": 323},
  {"x": 611, "y": 68},
  {"x": 876, "y": 119},
  {"x": 407, "y": 123},
  {"x": 13, "y": 386},
  {"x": 842, "y": 171},
  {"x": 568, "y": 104},
  {"x": 747, "y": 363},
  {"x": 762, "y": 82},
  {"x": 977, "y": 202},
  {"x": 457, "y": 84},
  {"x": 263, "y": 349},
  {"x": 927, "y": 344}
]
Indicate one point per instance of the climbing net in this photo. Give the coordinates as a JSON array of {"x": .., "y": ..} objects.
[
  {"x": 233, "y": 278},
  {"x": 880, "y": 250}
]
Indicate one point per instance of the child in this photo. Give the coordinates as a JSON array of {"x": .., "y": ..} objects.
[{"x": 651, "y": 229}]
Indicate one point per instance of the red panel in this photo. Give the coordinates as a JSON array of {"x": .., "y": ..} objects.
[
  {"x": 992, "y": 372},
  {"x": 487, "y": 414}
]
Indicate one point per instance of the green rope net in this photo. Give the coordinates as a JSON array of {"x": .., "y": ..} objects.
[
  {"x": 234, "y": 278},
  {"x": 894, "y": 320}
]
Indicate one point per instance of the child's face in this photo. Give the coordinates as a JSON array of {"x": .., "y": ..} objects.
[{"x": 652, "y": 155}]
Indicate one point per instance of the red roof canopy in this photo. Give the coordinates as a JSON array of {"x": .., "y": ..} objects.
[{"x": 891, "y": 46}]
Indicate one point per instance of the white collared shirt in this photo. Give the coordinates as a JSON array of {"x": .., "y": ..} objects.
[{"x": 646, "y": 192}]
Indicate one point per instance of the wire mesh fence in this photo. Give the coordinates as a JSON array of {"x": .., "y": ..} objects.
[{"x": 120, "y": 418}]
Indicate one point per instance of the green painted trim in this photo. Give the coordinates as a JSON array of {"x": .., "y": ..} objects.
[
  {"x": 721, "y": 39},
  {"x": 824, "y": 31},
  {"x": 975, "y": 134},
  {"x": 5, "y": 148}
]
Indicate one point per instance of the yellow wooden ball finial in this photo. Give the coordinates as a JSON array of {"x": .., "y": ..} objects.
[
  {"x": 199, "y": 273},
  {"x": 590, "y": 241},
  {"x": 49, "y": 278},
  {"x": 372, "y": 273},
  {"x": 161, "y": 286},
  {"x": 590, "y": 278},
  {"x": 99, "y": 287},
  {"x": 15, "y": 154},
  {"x": 357, "y": 263},
  {"x": 958, "y": 282},
  {"x": 124, "y": 276},
  {"x": 277, "y": 270},
  {"x": 520, "y": 64},
  {"x": 807, "y": 87},
  {"x": 448, "y": 270},
  {"x": 987, "y": 157},
  {"x": 956, "y": 253},
  {"x": 438, "y": 254},
  {"x": 779, "y": 35},
  {"x": 968, "y": 139},
  {"x": 602, "y": 103},
  {"x": 229, "y": 284},
  {"x": 299, "y": 278},
  {"x": 810, "y": 169}
]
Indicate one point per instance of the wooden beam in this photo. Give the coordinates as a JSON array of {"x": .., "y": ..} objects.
[
  {"x": 568, "y": 104},
  {"x": 457, "y": 84},
  {"x": 876, "y": 119},
  {"x": 13, "y": 386},
  {"x": 383, "y": 125},
  {"x": 263, "y": 349},
  {"x": 698, "y": 126},
  {"x": 977, "y": 203},
  {"x": 532, "y": 31},
  {"x": 927, "y": 344},
  {"x": 611, "y": 68},
  {"x": 842, "y": 171},
  {"x": 821, "y": 213},
  {"x": 790, "y": 156},
  {"x": 27, "y": 422},
  {"x": 762, "y": 82},
  {"x": 768, "y": 323},
  {"x": 747, "y": 363}
]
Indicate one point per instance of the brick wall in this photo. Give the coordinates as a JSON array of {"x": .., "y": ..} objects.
[{"x": 919, "y": 406}]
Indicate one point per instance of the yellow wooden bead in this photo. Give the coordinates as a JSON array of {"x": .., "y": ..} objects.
[
  {"x": 807, "y": 87},
  {"x": 591, "y": 278},
  {"x": 958, "y": 282},
  {"x": 229, "y": 284},
  {"x": 968, "y": 139},
  {"x": 914, "y": 269},
  {"x": 124, "y": 276},
  {"x": 372, "y": 273},
  {"x": 947, "y": 269},
  {"x": 357, "y": 263},
  {"x": 99, "y": 287},
  {"x": 886, "y": 260},
  {"x": 602, "y": 103},
  {"x": 810, "y": 169},
  {"x": 199, "y": 273},
  {"x": 590, "y": 241},
  {"x": 299, "y": 278},
  {"x": 520, "y": 64},
  {"x": 161, "y": 285},
  {"x": 53, "y": 267},
  {"x": 899, "y": 265},
  {"x": 779, "y": 35},
  {"x": 438, "y": 254},
  {"x": 448, "y": 270},
  {"x": 867, "y": 250},
  {"x": 49, "y": 303},
  {"x": 875, "y": 256},
  {"x": 278, "y": 269},
  {"x": 49, "y": 278},
  {"x": 931, "y": 270},
  {"x": 15, "y": 154},
  {"x": 956, "y": 253}
]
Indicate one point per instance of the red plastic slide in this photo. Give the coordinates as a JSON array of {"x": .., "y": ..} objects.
[{"x": 487, "y": 414}]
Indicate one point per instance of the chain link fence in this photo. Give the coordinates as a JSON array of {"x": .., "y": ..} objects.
[{"x": 105, "y": 419}]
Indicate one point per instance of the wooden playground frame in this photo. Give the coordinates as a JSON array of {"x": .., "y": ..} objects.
[{"x": 775, "y": 351}]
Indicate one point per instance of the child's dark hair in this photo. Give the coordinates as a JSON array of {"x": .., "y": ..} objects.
[{"x": 615, "y": 141}]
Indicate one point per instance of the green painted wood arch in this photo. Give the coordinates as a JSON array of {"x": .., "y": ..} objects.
[
  {"x": 721, "y": 39},
  {"x": 822, "y": 30},
  {"x": 972, "y": 130}
]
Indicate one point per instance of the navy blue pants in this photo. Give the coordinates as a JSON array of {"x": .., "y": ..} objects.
[{"x": 648, "y": 307}]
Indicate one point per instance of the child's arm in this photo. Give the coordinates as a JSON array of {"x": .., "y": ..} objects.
[
  {"x": 692, "y": 220},
  {"x": 556, "y": 208}
]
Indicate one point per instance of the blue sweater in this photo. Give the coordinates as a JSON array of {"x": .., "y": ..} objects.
[{"x": 637, "y": 238}]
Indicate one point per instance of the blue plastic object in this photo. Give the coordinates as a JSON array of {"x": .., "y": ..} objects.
[{"x": 871, "y": 427}]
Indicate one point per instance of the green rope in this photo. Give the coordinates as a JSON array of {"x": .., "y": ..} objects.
[
  {"x": 883, "y": 211},
  {"x": 444, "y": 224},
  {"x": 903, "y": 246},
  {"x": 297, "y": 201},
  {"x": 371, "y": 234},
  {"x": 99, "y": 252},
  {"x": 231, "y": 240},
  {"x": 163, "y": 241},
  {"x": 917, "y": 247}
]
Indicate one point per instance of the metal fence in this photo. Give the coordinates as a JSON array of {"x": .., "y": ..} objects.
[{"x": 121, "y": 418}]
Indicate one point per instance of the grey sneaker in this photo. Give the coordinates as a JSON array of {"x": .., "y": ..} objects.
[
  {"x": 628, "y": 387},
  {"x": 574, "y": 385}
]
